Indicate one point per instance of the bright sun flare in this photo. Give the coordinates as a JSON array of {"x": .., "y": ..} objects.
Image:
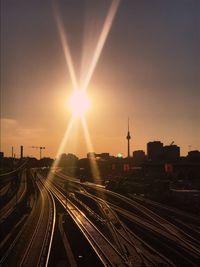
[{"x": 79, "y": 103}]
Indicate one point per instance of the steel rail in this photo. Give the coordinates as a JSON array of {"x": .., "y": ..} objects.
[
  {"x": 16, "y": 170},
  {"x": 153, "y": 228},
  {"x": 174, "y": 213},
  {"x": 53, "y": 226},
  {"x": 99, "y": 218},
  {"x": 47, "y": 241},
  {"x": 144, "y": 255},
  {"x": 191, "y": 253},
  {"x": 137, "y": 219},
  {"x": 192, "y": 245},
  {"x": 9, "y": 250},
  {"x": 161, "y": 255},
  {"x": 140, "y": 222},
  {"x": 98, "y": 249},
  {"x": 17, "y": 198},
  {"x": 102, "y": 252},
  {"x": 4, "y": 257},
  {"x": 185, "y": 243},
  {"x": 167, "y": 208},
  {"x": 163, "y": 224},
  {"x": 105, "y": 221},
  {"x": 25, "y": 255},
  {"x": 51, "y": 232},
  {"x": 148, "y": 246},
  {"x": 96, "y": 199},
  {"x": 147, "y": 212},
  {"x": 4, "y": 189}
]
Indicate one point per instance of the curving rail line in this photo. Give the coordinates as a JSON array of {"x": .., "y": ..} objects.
[
  {"x": 130, "y": 244},
  {"x": 17, "y": 198},
  {"x": 108, "y": 254},
  {"x": 32, "y": 245},
  {"x": 38, "y": 249}
]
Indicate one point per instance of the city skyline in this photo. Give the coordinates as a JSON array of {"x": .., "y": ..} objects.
[
  {"x": 147, "y": 71},
  {"x": 22, "y": 152}
]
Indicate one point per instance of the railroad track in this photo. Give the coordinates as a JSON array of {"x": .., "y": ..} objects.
[
  {"x": 149, "y": 256},
  {"x": 7, "y": 209},
  {"x": 157, "y": 220},
  {"x": 32, "y": 245},
  {"x": 126, "y": 245},
  {"x": 164, "y": 225},
  {"x": 161, "y": 226},
  {"x": 106, "y": 251},
  {"x": 4, "y": 189},
  {"x": 39, "y": 247},
  {"x": 180, "y": 250},
  {"x": 132, "y": 254},
  {"x": 182, "y": 245},
  {"x": 173, "y": 215}
]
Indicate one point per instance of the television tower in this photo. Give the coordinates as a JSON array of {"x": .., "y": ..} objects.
[{"x": 128, "y": 137}]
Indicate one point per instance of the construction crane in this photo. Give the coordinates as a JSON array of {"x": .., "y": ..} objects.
[{"x": 40, "y": 148}]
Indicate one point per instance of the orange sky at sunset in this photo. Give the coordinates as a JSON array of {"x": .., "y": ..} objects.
[{"x": 147, "y": 71}]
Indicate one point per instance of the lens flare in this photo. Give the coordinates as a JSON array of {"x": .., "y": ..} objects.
[
  {"x": 79, "y": 103},
  {"x": 62, "y": 146},
  {"x": 65, "y": 45},
  {"x": 101, "y": 41},
  {"x": 93, "y": 164}
]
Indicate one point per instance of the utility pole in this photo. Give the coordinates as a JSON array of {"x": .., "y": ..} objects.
[
  {"x": 40, "y": 148},
  {"x": 21, "y": 152}
]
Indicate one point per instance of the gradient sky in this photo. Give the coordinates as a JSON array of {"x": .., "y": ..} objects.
[{"x": 149, "y": 70}]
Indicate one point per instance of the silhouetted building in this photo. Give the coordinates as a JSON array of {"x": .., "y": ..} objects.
[
  {"x": 171, "y": 152},
  {"x": 91, "y": 155},
  {"x": 139, "y": 157},
  {"x": 69, "y": 163},
  {"x": 46, "y": 162},
  {"x": 67, "y": 159},
  {"x": 155, "y": 151},
  {"x": 104, "y": 156},
  {"x": 1, "y": 155},
  {"x": 194, "y": 156}
]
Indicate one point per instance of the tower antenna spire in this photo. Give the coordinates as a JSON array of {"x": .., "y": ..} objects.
[
  {"x": 128, "y": 124},
  {"x": 128, "y": 137}
]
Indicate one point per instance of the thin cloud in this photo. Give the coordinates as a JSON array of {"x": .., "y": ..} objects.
[{"x": 14, "y": 134}]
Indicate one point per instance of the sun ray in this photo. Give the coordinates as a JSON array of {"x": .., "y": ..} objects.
[
  {"x": 97, "y": 52},
  {"x": 93, "y": 164},
  {"x": 101, "y": 41},
  {"x": 65, "y": 45},
  {"x": 62, "y": 146}
]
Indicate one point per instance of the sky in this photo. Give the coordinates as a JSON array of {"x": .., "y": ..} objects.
[{"x": 148, "y": 70}]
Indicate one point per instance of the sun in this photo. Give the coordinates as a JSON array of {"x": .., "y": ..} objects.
[{"x": 79, "y": 103}]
